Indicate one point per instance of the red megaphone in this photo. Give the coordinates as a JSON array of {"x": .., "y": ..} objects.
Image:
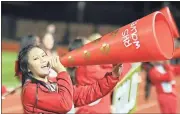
[
  {"x": 167, "y": 13},
  {"x": 146, "y": 39}
]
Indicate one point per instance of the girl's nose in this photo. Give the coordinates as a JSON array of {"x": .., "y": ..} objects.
[{"x": 42, "y": 60}]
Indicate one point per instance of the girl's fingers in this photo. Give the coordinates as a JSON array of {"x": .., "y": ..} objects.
[
  {"x": 50, "y": 63},
  {"x": 52, "y": 60},
  {"x": 57, "y": 59}
]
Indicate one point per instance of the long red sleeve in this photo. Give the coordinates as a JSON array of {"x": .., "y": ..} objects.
[
  {"x": 84, "y": 95},
  {"x": 157, "y": 76},
  {"x": 57, "y": 102},
  {"x": 93, "y": 73},
  {"x": 37, "y": 99},
  {"x": 86, "y": 75}
]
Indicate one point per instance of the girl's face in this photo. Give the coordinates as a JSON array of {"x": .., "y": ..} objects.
[
  {"x": 48, "y": 41},
  {"x": 38, "y": 62}
]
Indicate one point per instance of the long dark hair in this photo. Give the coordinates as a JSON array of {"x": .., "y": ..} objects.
[
  {"x": 147, "y": 66},
  {"x": 23, "y": 65},
  {"x": 77, "y": 43},
  {"x": 25, "y": 41}
]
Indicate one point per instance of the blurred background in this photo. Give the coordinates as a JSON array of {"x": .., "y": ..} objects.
[
  {"x": 76, "y": 18},
  {"x": 68, "y": 20}
]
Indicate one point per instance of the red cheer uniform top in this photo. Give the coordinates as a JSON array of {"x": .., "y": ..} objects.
[
  {"x": 37, "y": 98},
  {"x": 162, "y": 77},
  {"x": 89, "y": 75}
]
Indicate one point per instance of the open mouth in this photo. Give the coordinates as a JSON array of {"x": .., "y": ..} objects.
[{"x": 46, "y": 66}]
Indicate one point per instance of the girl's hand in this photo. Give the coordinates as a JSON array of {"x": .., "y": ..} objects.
[
  {"x": 56, "y": 64},
  {"x": 117, "y": 69}
]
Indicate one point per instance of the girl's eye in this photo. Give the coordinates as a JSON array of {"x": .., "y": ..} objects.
[
  {"x": 35, "y": 58},
  {"x": 43, "y": 55}
]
